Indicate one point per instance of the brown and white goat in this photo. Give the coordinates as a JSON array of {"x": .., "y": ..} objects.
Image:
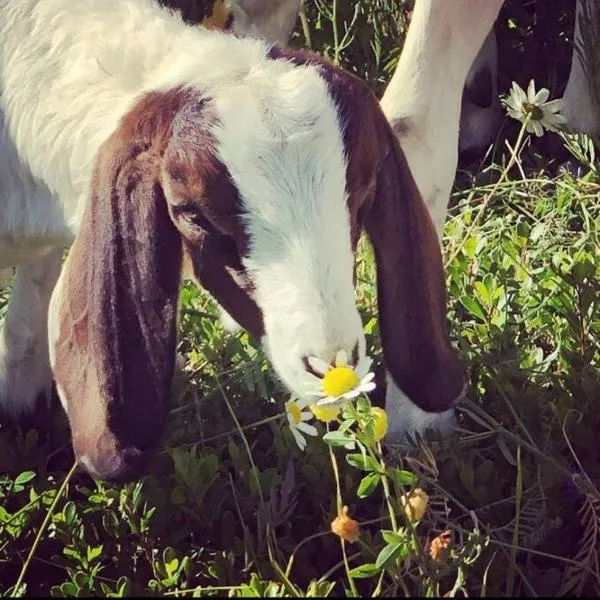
[{"x": 156, "y": 149}]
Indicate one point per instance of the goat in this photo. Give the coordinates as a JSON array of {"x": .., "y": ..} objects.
[
  {"x": 156, "y": 150},
  {"x": 438, "y": 128}
]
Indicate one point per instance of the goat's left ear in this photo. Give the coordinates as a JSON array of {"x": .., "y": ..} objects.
[
  {"x": 112, "y": 323},
  {"x": 411, "y": 290}
]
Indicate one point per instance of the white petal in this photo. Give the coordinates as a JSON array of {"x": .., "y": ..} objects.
[
  {"x": 306, "y": 416},
  {"x": 516, "y": 114},
  {"x": 531, "y": 92},
  {"x": 542, "y": 96},
  {"x": 355, "y": 393},
  {"x": 364, "y": 388},
  {"x": 299, "y": 439},
  {"x": 307, "y": 429},
  {"x": 319, "y": 365},
  {"x": 558, "y": 119},
  {"x": 328, "y": 401},
  {"x": 341, "y": 358},
  {"x": 518, "y": 94},
  {"x": 304, "y": 401},
  {"x": 530, "y": 127},
  {"x": 537, "y": 127},
  {"x": 368, "y": 377},
  {"x": 554, "y": 105},
  {"x": 363, "y": 367}
]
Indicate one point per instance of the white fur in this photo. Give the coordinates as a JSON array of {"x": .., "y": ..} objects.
[
  {"x": 291, "y": 172},
  {"x": 25, "y": 373},
  {"x": 406, "y": 418}
]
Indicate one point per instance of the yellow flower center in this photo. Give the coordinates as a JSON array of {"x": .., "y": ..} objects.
[
  {"x": 380, "y": 423},
  {"x": 340, "y": 380},
  {"x": 294, "y": 412},
  {"x": 325, "y": 413}
]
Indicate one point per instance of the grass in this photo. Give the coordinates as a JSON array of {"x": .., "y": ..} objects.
[{"x": 231, "y": 506}]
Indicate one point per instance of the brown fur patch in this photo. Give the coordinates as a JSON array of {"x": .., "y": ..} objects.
[{"x": 114, "y": 356}]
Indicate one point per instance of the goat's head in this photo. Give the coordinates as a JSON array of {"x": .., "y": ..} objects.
[{"x": 261, "y": 199}]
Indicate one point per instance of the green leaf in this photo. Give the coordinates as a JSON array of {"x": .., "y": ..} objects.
[
  {"x": 473, "y": 307},
  {"x": 368, "y": 485},
  {"x": 336, "y": 438},
  {"x": 391, "y": 537},
  {"x": 388, "y": 553},
  {"x": 403, "y": 477},
  {"x": 364, "y": 571},
  {"x": 178, "y": 495},
  {"x": 94, "y": 552},
  {"x": 24, "y": 477},
  {"x": 363, "y": 462}
]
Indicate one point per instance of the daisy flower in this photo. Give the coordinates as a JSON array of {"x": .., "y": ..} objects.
[
  {"x": 326, "y": 414},
  {"x": 542, "y": 114},
  {"x": 380, "y": 423},
  {"x": 297, "y": 421},
  {"x": 340, "y": 381}
]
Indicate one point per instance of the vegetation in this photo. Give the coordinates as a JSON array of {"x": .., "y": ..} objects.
[{"x": 232, "y": 507}]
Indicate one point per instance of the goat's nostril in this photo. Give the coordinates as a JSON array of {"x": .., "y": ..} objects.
[{"x": 118, "y": 467}]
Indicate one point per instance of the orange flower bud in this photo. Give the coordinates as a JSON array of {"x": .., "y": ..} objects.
[{"x": 345, "y": 527}]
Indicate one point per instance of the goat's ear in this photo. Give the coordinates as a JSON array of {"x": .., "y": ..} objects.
[
  {"x": 411, "y": 288},
  {"x": 114, "y": 311}
]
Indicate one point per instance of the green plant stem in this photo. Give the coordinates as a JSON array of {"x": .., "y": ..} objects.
[
  {"x": 386, "y": 485},
  {"x": 340, "y": 506},
  {"x": 42, "y": 529},
  {"x": 486, "y": 201},
  {"x": 336, "y": 37},
  {"x": 305, "y": 27},
  {"x": 510, "y": 581}
]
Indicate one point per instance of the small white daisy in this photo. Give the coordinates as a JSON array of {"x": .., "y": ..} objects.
[
  {"x": 340, "y": 381},
  {"x": 297, "y": 420},
  {"x": 542, "y": 114}
]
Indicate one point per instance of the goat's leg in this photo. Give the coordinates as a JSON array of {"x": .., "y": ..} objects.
[
  {"x": 582, "y": 94},
  {"x": 25, "y": 374},
  {"x": 423, "y": 98}
]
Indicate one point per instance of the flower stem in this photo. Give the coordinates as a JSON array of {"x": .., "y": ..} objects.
[
  {"x": 340, "y": 506},
  {"x": 384, "y": 481},
  {"x": 486, "y": 201}
]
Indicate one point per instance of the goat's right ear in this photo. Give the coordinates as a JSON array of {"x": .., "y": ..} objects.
[
  {"x": 113, "y": 313},
  {"x": 411, "y": 290}
]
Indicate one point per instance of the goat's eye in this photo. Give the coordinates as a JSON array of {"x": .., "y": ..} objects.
[{"x": 190, "y": 213}]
